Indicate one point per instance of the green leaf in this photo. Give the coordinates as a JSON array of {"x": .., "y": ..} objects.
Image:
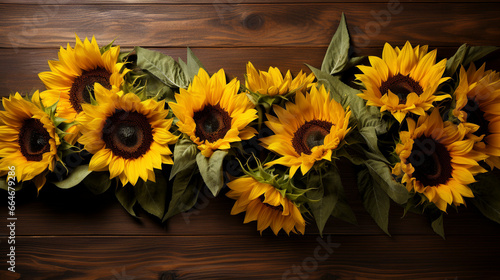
[
  {"x": 97, "y": 182},
  {"x": 184, "y": 156},
  {"x": 337, "y": 54},
  {"x": 489, "y": 206},
  {"x": 328, "y": 81},
  {"x": 454, "y": 62},
  {"x": 123, "y": 56},
  {"x": 162, "y": 66},
  {"x": 158, "y": 90},
  {"x": 382, "y": 175},
  {"x": 370, "y": 135},
  {"x": 152, "y": 196},
  {"x": 185, "y": 191},
  {"x": 211, "y": 170},
  {"x": 4, "y": 185},
  {"x": 354, "y": 153},
  {"x": 327, "y": 194},
  {"x": 487, "y": 195},
  {"x": 437, "y": 225},
  {"x": 126, "y": 197},
  {"x": 184, "y": 67},
  {"x": 353, "y": 61},
  {"x": 74, "y": 178},
  {"x": 343, "y": 211},
  {"x": 465, "y": 55},
  {"x": 475, "y": 53},
  {"x": 375, "y": 200},
  {"x": 107, "y": 47},
  {"x": 57, "y": 121},
  {"x": 415, "y": 205},
  {"x": 193, "y": 64},
  {"x": 347, "y": 96}
]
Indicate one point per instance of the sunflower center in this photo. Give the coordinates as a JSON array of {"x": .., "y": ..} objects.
[
  {"x": 310, "y": 135},
  {"x": 276, "y": 208},
  {"x": 33, "y": 140},
  {"x": 128, "y": 134},
  {"x": 401, "y": 86},
  {"x": 212, "y": 123},
  {"x": 431, "y": 160},
  {"x": 83, "y": 86},
  {"x": 476, "y": 116}
]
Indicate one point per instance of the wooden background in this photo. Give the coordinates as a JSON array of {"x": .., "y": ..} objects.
[{"x": 72, "y": 234}]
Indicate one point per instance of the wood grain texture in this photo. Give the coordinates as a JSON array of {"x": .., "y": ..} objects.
[
  {"x": 278, "y": 25},
  {"x": 29, "y": 62},
  {"x": 78, "y": 212},
  {"x": 255, "y": 257},
  {"x": 23, "y": 66},
  {"x": 72, "y": 234}
]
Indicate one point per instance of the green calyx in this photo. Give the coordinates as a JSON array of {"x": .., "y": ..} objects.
[
  {"x": 281, "y": 182},
  {"x": 61, "y": 126},
  {"x": 267, "y": 101}
]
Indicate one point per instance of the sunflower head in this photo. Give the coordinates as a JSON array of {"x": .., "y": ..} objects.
[
  {"x": 28, "y": 139},
  {"x": 272, "y": 83},
  {"x": 307, "y": 131},
  {"x": 127, "y": 137},
  {"x": 269, "y": 199},
  {"x": 70, "y": 81},
  {"x": 437, "y": 160},
  {"x": 212, "y": 113},
  {"x": 403, "y": 81},
  {"x": 477, "y": 105}
]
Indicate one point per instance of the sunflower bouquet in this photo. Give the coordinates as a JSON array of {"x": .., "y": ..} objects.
[
  {"x": 428, "y": 126},
  {"x": 157, "y": 131}
]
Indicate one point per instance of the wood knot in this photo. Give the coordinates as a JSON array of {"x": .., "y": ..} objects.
[{"x": 253, "y": 22}]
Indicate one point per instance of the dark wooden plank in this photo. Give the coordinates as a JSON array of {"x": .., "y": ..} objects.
[
  {"x": 254, "y": 257},
  {"x": 20, "y": 69},
  {"x": 58, "y": 212},
  {"x": 204, "y": 25},
  {"x": 24, "y": 66}
]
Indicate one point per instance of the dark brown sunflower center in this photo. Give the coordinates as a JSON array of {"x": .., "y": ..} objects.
[
  {"x": 476, "y": 116},
  {"x": 431, "y": 160},
  {"x": 276, "y": 208},
  {"x": 83, "y": 86},
  {"x": 310, "y": 135},
  {"x": 212, "y": 123},
  {"x": 128, "y": 134},
  {"x": 33, "y": 140},
  {"x": 401, "y": 86}
]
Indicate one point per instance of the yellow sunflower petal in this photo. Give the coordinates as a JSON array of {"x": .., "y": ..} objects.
[
  {"x": 404, "y": 80},
  {"x": 113, "y": 146}
]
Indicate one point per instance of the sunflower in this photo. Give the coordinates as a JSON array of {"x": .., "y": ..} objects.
[
  {"x": 71, "y": 79},
  {"x": 28, "y": 139},
  {"x": 478, "y": 101},
  {"x": 126, "y": 136},
  {"x": 266, "y": 205},
  {"x": 272, "y": 82},
  {"x": 212, "y": 113},
  {"x": 437, "y": 160},
  {"x": 306, "y": 131},
  {"x": 403, "y": 80}
]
